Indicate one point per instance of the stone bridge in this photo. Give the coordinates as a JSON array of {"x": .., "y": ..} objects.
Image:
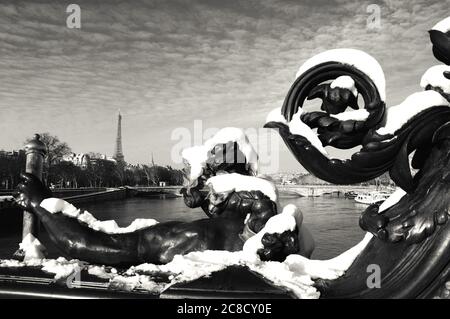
[
  {"x": 293, "y": 190},
  {"x": 155, "y": 190},
  {"x": 320, "y": 190}
]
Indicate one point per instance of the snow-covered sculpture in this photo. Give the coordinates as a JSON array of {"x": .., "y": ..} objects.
[
  {"x": 408, "y": 236},
  {"x": 227, "y": 165},
  {"x": 238, "y": 203},
  {"x": 412, "y": 236},
  {"x": 247, "y": 228}
]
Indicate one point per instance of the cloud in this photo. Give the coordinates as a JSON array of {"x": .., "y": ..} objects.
[{"x": 168, "y": 63}]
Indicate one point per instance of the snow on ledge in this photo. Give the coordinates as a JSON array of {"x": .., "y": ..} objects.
[
  {"x": 298, "y": 127},
  {"x": 32, "y": 248},
  {"x": 60, "y": 267},
  {"x": 359, "y": 59},
  {"x": 57, "y": 205},
  {"x": 392, "y": 200},
  {"x": 296, "y": 273},
  {"x": 399, "y": 115},
  {"x": 345, "y": 82},
  {"x": 434, "y": 76},
  {"x": 443, "y": 25},
  {"x": 276, "y": 116}
]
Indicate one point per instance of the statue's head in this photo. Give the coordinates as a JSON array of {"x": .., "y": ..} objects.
[{"x": 228, "y": 151}]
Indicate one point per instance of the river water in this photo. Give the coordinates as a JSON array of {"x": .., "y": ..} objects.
[{"x": 332, "y": 221}]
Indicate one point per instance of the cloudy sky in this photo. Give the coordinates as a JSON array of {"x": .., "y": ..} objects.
[{"x": 168, "y": 63}]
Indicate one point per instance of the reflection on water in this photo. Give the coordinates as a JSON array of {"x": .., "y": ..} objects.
[{"x": 332, "y": 221}]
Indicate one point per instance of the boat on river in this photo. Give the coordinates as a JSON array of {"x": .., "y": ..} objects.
[{"x": 372, "y": 197}]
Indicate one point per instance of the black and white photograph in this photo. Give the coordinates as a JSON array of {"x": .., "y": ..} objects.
[{"x": 240, "y": 150}]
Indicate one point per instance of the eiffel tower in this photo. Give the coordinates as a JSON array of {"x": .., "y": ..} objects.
[{"x": 118, "y": 154}]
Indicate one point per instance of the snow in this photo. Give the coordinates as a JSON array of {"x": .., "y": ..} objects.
[
  {"x": 13, "y": 263},
  {"x": 443, "y": 25},
  {"x": 345, "y": 82},
  {"x": 57, "y": 205},
  {"x": 327, "y": 269},
  {"x": 197, "y": 156},
  {"x": 142, "y": 282},
  {"x": 101, "y": 271},
  {"x": 60, "y": 267},
  {"x": 276, "y": 116},
  {"x": 359, "y": 59},
  {"x": 392, "y": 200},
  {"x": 296, "y": 274},
  {"x": 111, "y": 227},
  {"x": 434, "y": 76},
  {"x": 399, "y": 115},
  {"x": 356, "y": 115},
  {"x": 282, "y": 275},
  {"x": 289, "y": 218},
  {"x": 298, "y": 127},
  {"x": 237, "y": 182},
  {"x": 98, "y": 271},
  {"x": 32, "y": 248}
]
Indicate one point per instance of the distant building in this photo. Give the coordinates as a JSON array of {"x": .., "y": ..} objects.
[
  {"x": 12, "y": 154},
  {"x": 95, "y": 157},
  {"x": 296, "y": 179},
  {"x": 81, "y": 160}
]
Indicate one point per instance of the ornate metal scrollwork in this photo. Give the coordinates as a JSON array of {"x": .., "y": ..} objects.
[{"x": 412, "y": 237}]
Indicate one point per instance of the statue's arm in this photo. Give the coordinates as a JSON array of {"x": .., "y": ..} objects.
[{"x": 194, "y": 198}]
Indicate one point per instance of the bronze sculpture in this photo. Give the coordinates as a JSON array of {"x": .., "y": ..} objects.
[
  {"x": 411, "y": 243},
  {"x": 412, "y": 238},
  {"x": 233, "y": 217}
]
